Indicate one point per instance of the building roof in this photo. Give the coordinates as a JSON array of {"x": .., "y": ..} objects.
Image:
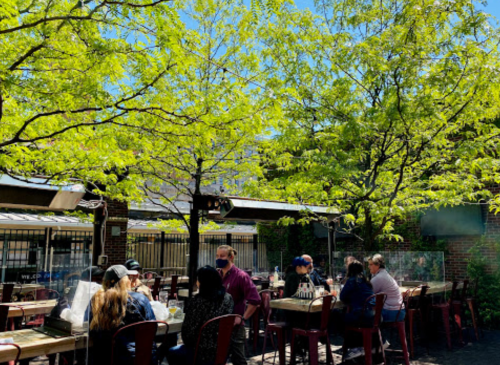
[{"x": 36, "y": 221}]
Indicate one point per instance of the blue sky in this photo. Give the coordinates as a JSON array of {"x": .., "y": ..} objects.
[{"x": 493, "y": 8}]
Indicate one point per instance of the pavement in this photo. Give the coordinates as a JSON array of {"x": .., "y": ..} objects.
[{"x": 484, "y": 351}]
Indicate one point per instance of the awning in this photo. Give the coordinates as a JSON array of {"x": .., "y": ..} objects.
[
  {"x": 264, "y": 210},
  {"x": 37, "y": 194}
]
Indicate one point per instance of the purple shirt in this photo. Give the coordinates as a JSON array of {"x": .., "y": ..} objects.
[{"x": 239, "y": 285}]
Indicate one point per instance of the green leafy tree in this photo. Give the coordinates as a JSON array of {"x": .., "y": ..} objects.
[
  {"x": 388, "y": 108},
  {"x": 73, "y": 76},
  {"x": 220, "y": 113}
]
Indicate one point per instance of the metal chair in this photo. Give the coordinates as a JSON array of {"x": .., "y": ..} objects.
[
  {"x": 18, "y": 355},
  {"x": 444, "y": 307},
  {"x": 367, "y": 332},
  {"x": 272, "y": 327},
  {"x": 400, "y": 326},
  {"x": 172, "y": 292},
  {"x": 144, "y": 333},
  {"x": 156, "y": 288},
  {"x": 417, "y": 307},
  {"x": 227, "y": 324},
  {"x": 315, "y": 334},
  {"x": 7, "y": 291},
  {"x": 473, "y": 304}
]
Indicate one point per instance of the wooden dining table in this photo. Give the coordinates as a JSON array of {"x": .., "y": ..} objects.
[
  {"x": 35, "y": 343},
  {"x": 302, "y": 305},
  {"x": 23, "y": 288},
  {"x": 30, "y": 308}
]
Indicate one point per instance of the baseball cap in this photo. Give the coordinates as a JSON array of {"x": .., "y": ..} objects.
[
  {"x": 91, "y": 272},
  {"x": 115, "y": 273},
  {"x": 133, "y": 264},
  {"x": 299, "y": 261}
]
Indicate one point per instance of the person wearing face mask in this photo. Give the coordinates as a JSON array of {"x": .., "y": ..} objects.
[
  {"x": 315, "y": 276},
  {"x": 240, "y": 286}
]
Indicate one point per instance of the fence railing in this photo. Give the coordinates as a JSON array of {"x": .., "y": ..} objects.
[
  {"x": 169, "y": 253},
  {"x": 24, "y": 253}
]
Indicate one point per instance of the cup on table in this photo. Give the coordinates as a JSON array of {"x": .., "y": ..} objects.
[
  {"x": 180, "y": 309},
  {"x": 335, "y": 289},
  {"x": 163, "y": 297},
  {"x": 317, "y": 291},
  {"x": 172, "y": 306}
]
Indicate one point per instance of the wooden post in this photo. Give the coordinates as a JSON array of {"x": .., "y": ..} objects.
[
  {"x": 255, "y": 253},
  {"x": 162, "y": 249},
  {"x": 194, "y": 244},
  {"x": 96, "y": 237}
]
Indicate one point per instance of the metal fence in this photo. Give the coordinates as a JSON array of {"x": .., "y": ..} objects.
[
  {"x": 169, "y": 253},
  {"x": 25, "y": 253}
]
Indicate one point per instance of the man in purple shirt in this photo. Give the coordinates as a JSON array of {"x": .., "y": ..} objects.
[{"x": 240, "y": 286}]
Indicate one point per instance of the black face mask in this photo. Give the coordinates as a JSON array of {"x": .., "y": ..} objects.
[{"x": 220, "y": 263}]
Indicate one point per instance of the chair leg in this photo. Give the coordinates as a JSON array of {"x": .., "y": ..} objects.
[
  {"x": 382, "y": 346},
  {"x": 313, "y": 350},
  {"x": 266, "y": 332},
  {"x": 329, "y": 354},
  {"x": 457, "y": 315},
  {"x": 344, "y": 347},
  {"x": 281, "y": 345},
  {"x": 410, "y": 318},
  {"x": 52, "y": 359},
  {"x": 367, "y": 344},
  {"x": 471, "y": 302},
  {"x": 446, "y": 320},
  {"x": 292, "y": 350},
  {"x": 402, "y": 339},
  {"x": 256, "y": 326}
]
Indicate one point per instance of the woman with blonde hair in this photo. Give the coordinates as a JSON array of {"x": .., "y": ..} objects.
[{"x": 112, "y": 307}]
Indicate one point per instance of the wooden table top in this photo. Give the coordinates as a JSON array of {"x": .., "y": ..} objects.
[
  {"x": 34, "y": 343},
  {"x": 30, "y": 308},
  {"x": 23, "y": 288},
  {"x": 300, "y": 305},
  {"x": 180, "y": 280}
]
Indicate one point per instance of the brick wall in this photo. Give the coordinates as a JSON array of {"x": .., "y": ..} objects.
[
  {"x": 116, "y": 246},
  {"x": 457, "y": 246}
]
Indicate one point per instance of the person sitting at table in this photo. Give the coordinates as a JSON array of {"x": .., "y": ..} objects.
[
  {"x": 112, "y": 307},
  {"x": 294, "y": 275},
  {"x": 382, "y": 282},
  {"x": 315, "y": 276},
  {"x": 138, "y": 286},
  {"x": 356, "y": 290},
  {"x": 212, "y": 301}
]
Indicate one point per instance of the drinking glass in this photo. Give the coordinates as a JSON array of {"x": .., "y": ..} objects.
[
  {"x": 316, "y": 291},
  {"x": 172, "y": 306},
  {"x": 163, "y": 296},
  {"x": 180, "y": 306},
  {"x": 321, "y": 291}
]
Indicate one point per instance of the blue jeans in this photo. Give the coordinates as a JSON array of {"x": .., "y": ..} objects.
[{"x": 390, "y": 315}]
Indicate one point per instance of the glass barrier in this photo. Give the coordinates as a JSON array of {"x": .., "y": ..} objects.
[
  {"x": 47, "y": 303},
  {"x": 413, "y": 267}
]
